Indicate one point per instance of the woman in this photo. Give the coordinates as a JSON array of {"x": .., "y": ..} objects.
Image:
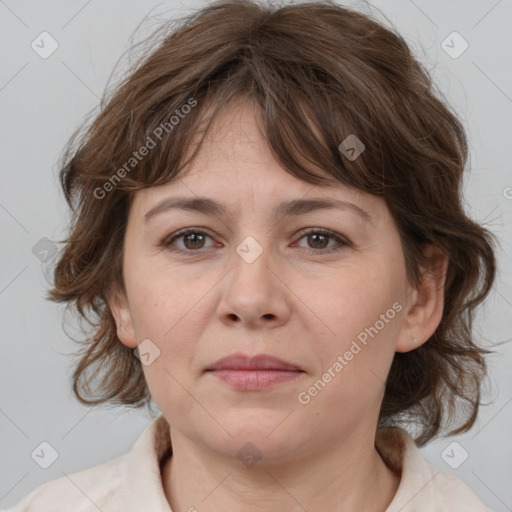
[{"x": 269, "y": 230}]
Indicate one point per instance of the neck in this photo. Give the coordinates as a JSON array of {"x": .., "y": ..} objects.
[{"x": 342, "y": 477}]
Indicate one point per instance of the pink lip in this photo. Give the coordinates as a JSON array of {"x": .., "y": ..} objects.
[
  {"x": 258, "y": 362},
  {"x": 252, "y": 373}
]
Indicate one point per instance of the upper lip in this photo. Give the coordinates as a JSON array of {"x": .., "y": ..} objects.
[{"x": 256, "y": 362}]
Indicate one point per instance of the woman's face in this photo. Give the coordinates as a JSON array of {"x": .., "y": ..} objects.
[{"x": 252, "y": 281}]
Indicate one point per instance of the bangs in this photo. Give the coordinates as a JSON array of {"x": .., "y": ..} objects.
[{"x": 303, "y": 114}]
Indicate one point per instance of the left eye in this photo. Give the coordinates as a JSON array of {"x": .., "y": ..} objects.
[
  {"x": 320, "y": 236},
  {"x": 194, "y": 240}
]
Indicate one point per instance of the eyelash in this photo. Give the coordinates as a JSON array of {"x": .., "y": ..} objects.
[{"x": 180, "y": 234}]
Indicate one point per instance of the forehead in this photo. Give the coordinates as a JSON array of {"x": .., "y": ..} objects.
[{"x": 235, "y": 167}]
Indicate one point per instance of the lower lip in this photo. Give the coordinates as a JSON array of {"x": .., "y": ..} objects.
[{"x": 255, "y": 379}]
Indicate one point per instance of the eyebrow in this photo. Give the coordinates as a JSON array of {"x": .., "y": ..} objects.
[{"x": 295, "y": 207}]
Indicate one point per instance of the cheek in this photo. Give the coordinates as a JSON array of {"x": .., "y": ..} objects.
[
  {"x": 161, "y": 316},
  {"x": 168, "y": 312},
  {"x": 355, "y": 360},
  {"x": 362, "y": 313},
  {"x": 157, "y": 299},
  {"x": 354, "y": 300}
]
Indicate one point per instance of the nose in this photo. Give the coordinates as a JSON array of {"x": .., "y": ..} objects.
[{"x": 254, "y": 294}]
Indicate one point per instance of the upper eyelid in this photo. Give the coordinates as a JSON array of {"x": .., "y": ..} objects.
[{"x": 206, "y": 231}]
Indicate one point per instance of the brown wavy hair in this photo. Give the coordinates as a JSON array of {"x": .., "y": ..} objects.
[{"x": 317, "y": 72}]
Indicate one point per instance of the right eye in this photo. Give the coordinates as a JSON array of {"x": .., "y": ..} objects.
[{"x": 192, "y": 238}]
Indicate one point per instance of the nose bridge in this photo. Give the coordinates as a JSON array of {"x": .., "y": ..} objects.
[
  {"x": 252, "y": 229},
  {"x": 251, "y": 261},
  {"x": 252, "y": 287},
  {"x": 253, "y": 251}
]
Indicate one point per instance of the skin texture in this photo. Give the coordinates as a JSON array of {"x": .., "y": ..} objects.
[{"x": 292, "y": 302}]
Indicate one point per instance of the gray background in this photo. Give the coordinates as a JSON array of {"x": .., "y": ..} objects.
[{"x": 44, "y": 100}]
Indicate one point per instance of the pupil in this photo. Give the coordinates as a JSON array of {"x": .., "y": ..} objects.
[
  {"x": 321, "y": 236},
  {"x": 193, "y": 235}
]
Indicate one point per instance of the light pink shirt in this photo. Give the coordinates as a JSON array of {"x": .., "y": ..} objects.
[{"x": 133, "y": 481}]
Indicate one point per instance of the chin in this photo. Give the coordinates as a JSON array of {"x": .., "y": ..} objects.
[{"x": 268, "y": 437}]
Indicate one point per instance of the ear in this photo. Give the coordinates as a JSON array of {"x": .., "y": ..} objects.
[
  {"x": 123, "y": 318},
  {"x": 425, "y": 308}
]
